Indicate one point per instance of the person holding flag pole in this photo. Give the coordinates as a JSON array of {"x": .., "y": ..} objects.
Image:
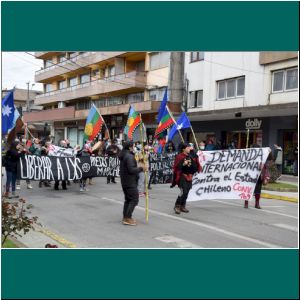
[{"x": 145, "y": 162}]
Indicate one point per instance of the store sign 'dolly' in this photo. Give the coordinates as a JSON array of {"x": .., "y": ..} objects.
[{"x": 253, "y": 124}]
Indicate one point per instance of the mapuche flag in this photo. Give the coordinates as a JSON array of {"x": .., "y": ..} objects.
[
  {"x": 93, "y": 125},
  {"x": 165, "y": 122},
  {"x": 134, "y": 119}
]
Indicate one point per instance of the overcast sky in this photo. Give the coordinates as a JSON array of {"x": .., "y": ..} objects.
[{"x": 19, "y": 68}]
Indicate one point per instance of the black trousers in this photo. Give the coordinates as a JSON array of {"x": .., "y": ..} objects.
[
  {"x": 111, "y": 178},
  {"x": 131, "y": 201},
  {"x": 185, "y": 187},
  {"x": 63, "y": 183}
]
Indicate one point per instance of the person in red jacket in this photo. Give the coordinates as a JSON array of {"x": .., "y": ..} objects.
[{"x": 185, "y": 166}]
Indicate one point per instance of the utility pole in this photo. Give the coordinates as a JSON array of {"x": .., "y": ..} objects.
[{"x": 27, "y": 101}]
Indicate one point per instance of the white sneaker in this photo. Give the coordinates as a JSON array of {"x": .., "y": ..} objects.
[
  {"x": 18, "y": 187},
  {"x": 29, "y": 186},
  {"x": 81, "y": 190}
]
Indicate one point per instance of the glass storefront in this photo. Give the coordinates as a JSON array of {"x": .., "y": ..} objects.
[
  {"x": 290, "y": 140},
  {"x": 240, "y": 138}
]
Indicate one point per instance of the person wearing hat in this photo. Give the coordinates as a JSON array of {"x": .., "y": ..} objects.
[
  {"x": 185, "y": 166},
  {"x": 129, "y": 172}
]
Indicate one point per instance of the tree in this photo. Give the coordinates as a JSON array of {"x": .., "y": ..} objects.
[{"x": 15, "y": 219}]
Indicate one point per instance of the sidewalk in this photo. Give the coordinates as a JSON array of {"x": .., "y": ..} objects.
[{"x": 285, "y": 196}]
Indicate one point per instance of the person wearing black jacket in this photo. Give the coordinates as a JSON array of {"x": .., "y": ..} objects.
[
  {"x": 129, "y": 180},
  {"x": 112, "y": 151},
  {"x": 12, "y": 157}
]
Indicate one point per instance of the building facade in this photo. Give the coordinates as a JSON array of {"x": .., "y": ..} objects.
[
  {"x": 111, "y": 80},
  {"x": 229, "y": 93}
]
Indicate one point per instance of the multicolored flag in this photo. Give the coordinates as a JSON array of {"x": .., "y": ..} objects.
[
  {"x": 93, "y": 125},
  {"x": 162, "y": 106},
  {"x": 165, "y": 122},
  {"x": 134, "y": 119}
]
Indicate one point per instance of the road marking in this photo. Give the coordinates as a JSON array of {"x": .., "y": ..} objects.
[
  {"x": 259, "y": 210},
  {"x": 200, "y": 224},
  {"x": 58, "y": 238},
  {"x": 176, "y": 242},
  {"x": 288, "y": 227}
]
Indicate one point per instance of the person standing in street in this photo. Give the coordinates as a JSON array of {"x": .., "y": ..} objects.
[
  {"x": 185, "y": 166},
  {"x": 129, "y": 180},
  {"x": 278, "y": 155},
  {"x": 112, "y": 151}
]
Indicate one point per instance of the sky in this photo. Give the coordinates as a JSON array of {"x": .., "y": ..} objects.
[{"x": 19, "y": 68}]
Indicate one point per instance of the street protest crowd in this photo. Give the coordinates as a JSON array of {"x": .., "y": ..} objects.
[{"x": 134, "y": 167}]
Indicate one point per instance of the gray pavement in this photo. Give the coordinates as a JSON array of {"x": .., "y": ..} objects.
[{"x": 93, "y": 220}]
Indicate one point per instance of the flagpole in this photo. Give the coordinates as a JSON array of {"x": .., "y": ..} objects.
[
  {"x": 145, "y": 172},
  {"x": 102, "y": 119},
  {"x": 175, "y": 123},
  {"x": 247, "y": 143},
  {"x": 194, "y": 137}
]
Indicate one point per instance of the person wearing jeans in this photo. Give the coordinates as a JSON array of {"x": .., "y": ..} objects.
[{"x": 11, "y": 162}]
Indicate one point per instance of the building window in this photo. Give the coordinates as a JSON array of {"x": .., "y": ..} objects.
[
  {"x": 285, "y": 80},
  {"x": 73, "y": 81},
  {"x": 136, "y": 97},
  {"x": 196, "y": 99},
  {"x": 95, "y": 74},
  {"x": 159, "y": 60},
  {"x": 111, "y": 71},
  {"x": 61, "y": 58},
  {"x": 231, "y": 88},
  {"x": 196, "y": 56},
  {"x": 48, "y": 63},
  {"x": 157, "y": 94},
  {"x": 62, "y": 85},
  {"x": 48, "y": 87},
  {"x": 85, "y": 78},
  {"x": 82, "y": 105}
]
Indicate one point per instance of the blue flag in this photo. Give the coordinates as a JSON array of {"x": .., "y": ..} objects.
[
  {"x": 182, "y": 122},
  {"x": 8, "y": 112},
  {"x": 162, "y": 106}
]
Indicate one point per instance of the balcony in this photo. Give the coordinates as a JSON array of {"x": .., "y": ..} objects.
[
  {"x": 142, "y": 107},
  {"x": 75, "y": 63},
  {"x": 44, "y": 55},
  {"x": 66, "y": 113},
  {"x": 126, "y": 81}
]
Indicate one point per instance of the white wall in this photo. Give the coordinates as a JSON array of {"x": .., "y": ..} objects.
[{"x": 224, "y": 65}]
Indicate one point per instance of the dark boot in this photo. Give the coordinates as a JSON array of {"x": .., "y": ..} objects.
[
  {"x": 257, "y": 197},
  {"x": 56, "y": 185},
  {"x": 183, "y": 209},
  {"x": 246, "y": 204},
  {"x": 64, "y": 185},
  {"x": 177, "y": 209}
]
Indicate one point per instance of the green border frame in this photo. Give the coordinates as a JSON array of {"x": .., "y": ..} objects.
[
  {"x": 108, "y": 26},
  {"x": 185, "y": 26}
]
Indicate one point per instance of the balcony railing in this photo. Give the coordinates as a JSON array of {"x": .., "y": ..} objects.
[
  {"x": 63, "y": 63},
  {"x": 113, "y": 79}
]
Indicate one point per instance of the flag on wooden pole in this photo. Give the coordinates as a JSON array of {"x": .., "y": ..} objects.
[{"x": 133, "y": 121}]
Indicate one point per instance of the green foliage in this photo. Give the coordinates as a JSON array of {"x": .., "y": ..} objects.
[{"x": 15, "y": 219}]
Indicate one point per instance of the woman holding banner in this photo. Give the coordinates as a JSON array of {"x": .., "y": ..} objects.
[
  {"x": 263, "y": 179},
  {"x": 185, "y": 166}
]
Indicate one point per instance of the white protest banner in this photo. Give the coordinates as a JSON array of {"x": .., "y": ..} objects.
[
  {"x": 228, "y": 174},
  {"x": 61, "y": 152}
]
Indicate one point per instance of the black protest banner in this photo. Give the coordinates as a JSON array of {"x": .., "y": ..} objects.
[
  {"x": 66, "y": 168},
  {"x": 161, "y": 166}
]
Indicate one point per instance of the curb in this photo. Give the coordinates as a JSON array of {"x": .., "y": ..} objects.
[{"x": 278, "y": 197}]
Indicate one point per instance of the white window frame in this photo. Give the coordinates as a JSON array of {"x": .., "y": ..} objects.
[
  {"x": 284, "y": 89},
  {"x": 198, "y": 91},
  {"x": 283, "y": 84},
  {"x": 285, "y": 81},
  {"x": 235, "y": 88},
  {"x": 198, "y": 56}
]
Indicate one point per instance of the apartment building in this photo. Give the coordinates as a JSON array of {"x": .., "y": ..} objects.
[
  {"x": 229, "y": 93},
  {"x": 111, "y": 80}
]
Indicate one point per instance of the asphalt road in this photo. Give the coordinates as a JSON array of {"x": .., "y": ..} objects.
[{"x": 93, "y": 220}]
